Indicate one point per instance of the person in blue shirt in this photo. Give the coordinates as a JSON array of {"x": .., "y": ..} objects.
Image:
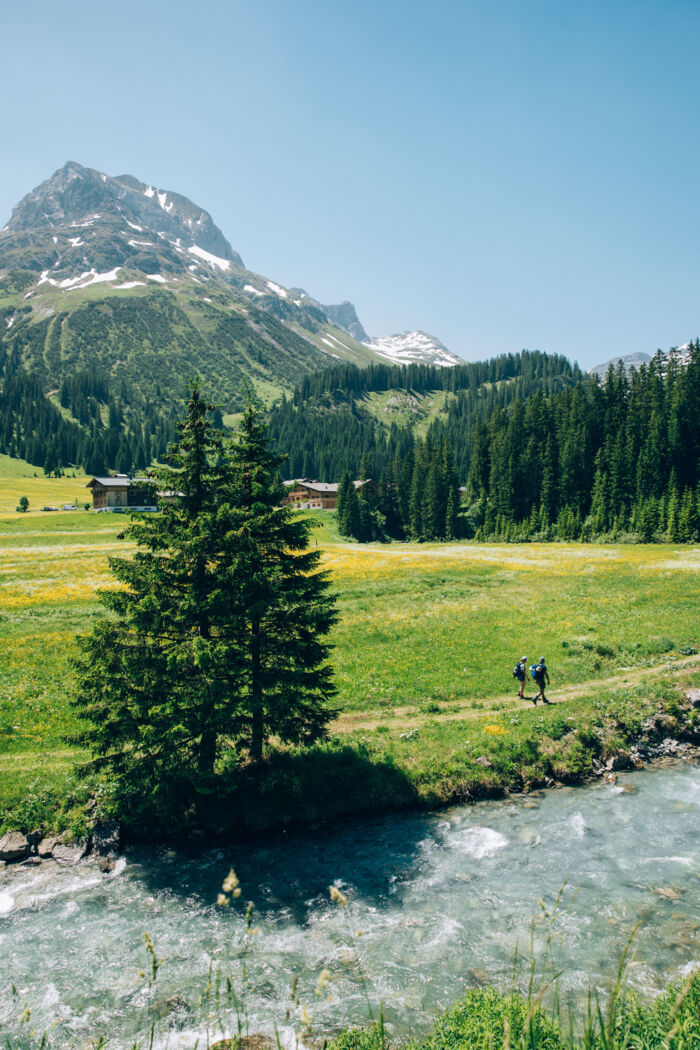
[{"x": 541, "y": 675}]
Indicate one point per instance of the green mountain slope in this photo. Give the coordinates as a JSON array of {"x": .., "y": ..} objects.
[
  {"x": 109, "y": 273},
  {"x": 346, "y": 417}
]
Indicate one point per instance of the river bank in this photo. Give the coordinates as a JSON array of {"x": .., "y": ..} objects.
[
  {"x": 348, "y": 779},
  {"x": 487, "y": 1018},
  {"x": 436, "y": 902}
]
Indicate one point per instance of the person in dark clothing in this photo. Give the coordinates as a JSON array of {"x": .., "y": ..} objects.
[
  {"x": 520, "y": 672},
  {"x": 541, "y": 675}
]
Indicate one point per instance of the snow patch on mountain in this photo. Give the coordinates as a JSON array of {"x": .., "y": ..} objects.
[
  {"x": 406, "y": 348},
  {"x": 277, "y": 289},
  {"x": 83, "y": 280},
  {"x": 213, "y": 260},
  {"x": 335, "y": 343}
]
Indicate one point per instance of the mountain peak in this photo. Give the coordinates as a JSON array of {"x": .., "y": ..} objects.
[
  {"x": 81, "y": 228},
  {"x": 75, "y": 196},
  {"x": 345, "y": 316},
  {"x": 407, "y": 348}
]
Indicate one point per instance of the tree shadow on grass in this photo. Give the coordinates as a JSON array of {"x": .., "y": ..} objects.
[
  {"x": 320, "y": 785},
  {"x": 296, "y": 825}
]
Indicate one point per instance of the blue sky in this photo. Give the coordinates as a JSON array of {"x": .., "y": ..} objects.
[{"x": 503, "y": 174}]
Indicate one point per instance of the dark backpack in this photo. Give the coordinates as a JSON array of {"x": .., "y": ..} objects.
[{"x": 518, "y": 672}]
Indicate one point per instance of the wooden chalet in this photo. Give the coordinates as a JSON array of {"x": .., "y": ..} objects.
[
  {"x": 123, "y": 493},
  {"x": 317, "y": 495}
]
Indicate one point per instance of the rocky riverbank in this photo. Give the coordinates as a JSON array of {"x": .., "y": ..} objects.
[
  {"x": 34, "y": 847},
  {"x": 583, "y": 752}
]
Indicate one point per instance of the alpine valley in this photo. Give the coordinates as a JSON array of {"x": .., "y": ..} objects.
[{"x": 113, "y": 293}]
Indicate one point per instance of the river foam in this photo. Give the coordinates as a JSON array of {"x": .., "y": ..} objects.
[{"x": 435, "y": 903}]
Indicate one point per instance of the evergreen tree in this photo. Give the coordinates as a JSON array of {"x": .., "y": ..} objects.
[
  {"x": 341, "y": 506},
  {"x": 216, "y": 635},
  {"x": 348, "y": 508},
  {"x": 286, "y": 608}
]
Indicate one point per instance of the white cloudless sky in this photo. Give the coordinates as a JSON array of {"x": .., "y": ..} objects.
[{"x": 500, "y": 174}]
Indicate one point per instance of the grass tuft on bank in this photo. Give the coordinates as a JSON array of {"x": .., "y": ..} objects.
[{"x": 486, "y": 1019}]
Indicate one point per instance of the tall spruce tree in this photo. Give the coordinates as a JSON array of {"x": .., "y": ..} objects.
[
  {"x": 216, "y": 636},
  {"x": 286, "y": 609}
]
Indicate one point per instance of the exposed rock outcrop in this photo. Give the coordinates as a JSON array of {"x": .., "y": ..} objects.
[{"x": 14, "y": 846}]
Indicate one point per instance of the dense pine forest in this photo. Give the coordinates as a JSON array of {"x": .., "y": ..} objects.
[
  {"x": 87, "y": 425},
  {"x": 521, "y": 447},
  {"x": 540, "y": 450},
  {"x": 606, "y": 459},
  {"x": 326, "y": 427}
]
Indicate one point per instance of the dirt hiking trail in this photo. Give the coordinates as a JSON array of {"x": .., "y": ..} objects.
[{"x": 412, "y": 717}]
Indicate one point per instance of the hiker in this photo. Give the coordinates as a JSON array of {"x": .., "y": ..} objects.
[
  {"x": 520, "y": 672},
  {"x": 540, "y": 674}
]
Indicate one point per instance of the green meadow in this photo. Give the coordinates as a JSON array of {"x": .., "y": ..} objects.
[
  {"x": 19, "y": 478},
  {"x": 424, "y": 648}
]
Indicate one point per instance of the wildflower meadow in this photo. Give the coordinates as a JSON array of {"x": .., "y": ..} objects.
[{"x": 424, "y": 647}]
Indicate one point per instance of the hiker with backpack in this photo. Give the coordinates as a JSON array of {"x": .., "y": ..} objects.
[
  {"x": 540, "y": 675},
  {"x": 520, "y": 672}
]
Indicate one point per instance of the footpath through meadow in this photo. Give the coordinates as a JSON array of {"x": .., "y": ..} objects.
[{"x": 412, "y": 717}]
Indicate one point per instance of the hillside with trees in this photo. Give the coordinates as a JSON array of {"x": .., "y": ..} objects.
[
  {"x": 331, "y": 424},
  {"x": 602, "y": 459},
  {"x": 540, "y": 450}
]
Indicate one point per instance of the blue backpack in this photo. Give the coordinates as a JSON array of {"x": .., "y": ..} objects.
[
  {"x": 534, "y": 669},
  {"x": 518, "y": 672}
]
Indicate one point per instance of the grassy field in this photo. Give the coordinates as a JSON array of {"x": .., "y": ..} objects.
[
  {"x": 19, "y": 478},
  {"x": 425, "y": 645}
]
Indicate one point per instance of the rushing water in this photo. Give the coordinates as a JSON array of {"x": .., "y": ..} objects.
[{"x": 442, "y": 901}]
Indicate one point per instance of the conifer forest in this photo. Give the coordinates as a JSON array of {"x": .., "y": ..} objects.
[{"x": 524, "y": 446}]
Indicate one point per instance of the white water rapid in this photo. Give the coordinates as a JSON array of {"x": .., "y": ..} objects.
[{"x": 441, "y": 900}]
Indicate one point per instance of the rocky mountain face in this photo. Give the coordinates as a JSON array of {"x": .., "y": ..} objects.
[
  {"x": 81, "y": 199},
  {"x": 139, "y": 282},
  {"x": 345, "y": 317}
]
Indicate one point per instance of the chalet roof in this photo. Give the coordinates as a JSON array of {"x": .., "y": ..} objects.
[
  {"x": 322, "y": 487},
  {"x": 118, "y": 482}
]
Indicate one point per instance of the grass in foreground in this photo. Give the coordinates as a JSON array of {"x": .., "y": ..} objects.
[
  {"x": 489, "y": 1020},
  {"x": 529, "y": 1017},
  {"x": 424, "y": 651}
]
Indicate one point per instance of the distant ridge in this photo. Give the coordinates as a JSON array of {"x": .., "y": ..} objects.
[
  {"x": 410, "y": 348},
  {"x": 628, "y": 360},
  {"x": 681, "y": 354}
]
